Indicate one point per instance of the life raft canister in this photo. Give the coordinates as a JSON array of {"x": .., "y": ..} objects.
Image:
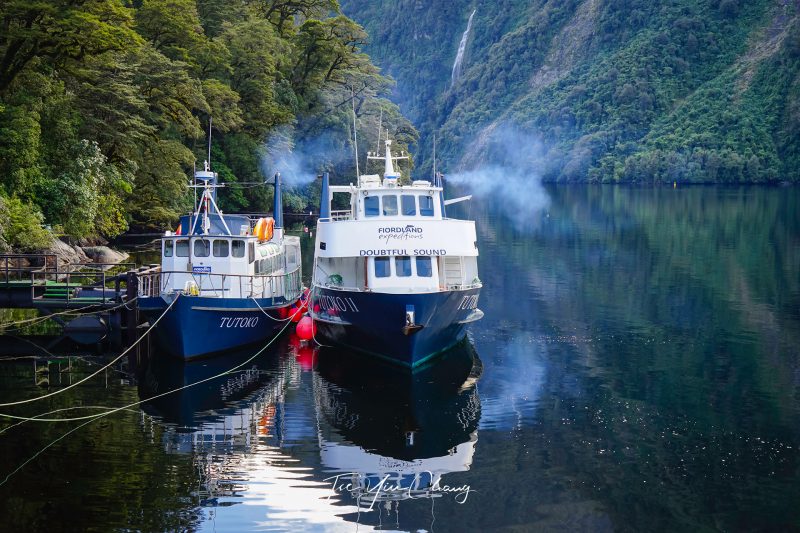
[{"x": 264, "y": 228}]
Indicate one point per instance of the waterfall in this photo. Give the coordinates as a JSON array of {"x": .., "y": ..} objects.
[{"x": 461, "y": 47}]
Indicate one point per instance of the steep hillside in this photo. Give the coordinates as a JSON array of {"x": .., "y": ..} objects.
[{"x": 634, "y": 91}]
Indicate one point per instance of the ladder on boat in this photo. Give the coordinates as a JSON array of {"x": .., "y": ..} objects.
[{"x": 453, "y": 272}]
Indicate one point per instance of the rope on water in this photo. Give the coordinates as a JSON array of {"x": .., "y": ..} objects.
[
  {"x": 30, "y": 321},
  {"x": 91, "y": 418},
  {"x": 128, "y": 349},
  {"x": 38, "y": 418},
  {"x": 103, "y": 407}
]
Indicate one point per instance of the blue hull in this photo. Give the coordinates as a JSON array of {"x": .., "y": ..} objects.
[
  {"x": 197, "y": 326},
  {"x": 373, "y": 322}
]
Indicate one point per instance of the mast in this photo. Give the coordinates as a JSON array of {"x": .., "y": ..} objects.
[
  {"x": 434, "y": 159},
  {"x": 389, "y": 167},
  {"x": 388, "y": 159},
  {"x": 210, "y": 118},
  {"x": 355, "y": 133}
]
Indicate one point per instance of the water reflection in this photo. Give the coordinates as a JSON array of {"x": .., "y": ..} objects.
[
  {"x": 380, "y": 435},
  {"x": 387, "y": 435},
  {"x": 639, "y": 370}
]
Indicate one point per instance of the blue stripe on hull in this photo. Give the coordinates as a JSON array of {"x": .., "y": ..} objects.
[
  {"x": 198, "y": 326},
  {"x": 372, "y": 322}
]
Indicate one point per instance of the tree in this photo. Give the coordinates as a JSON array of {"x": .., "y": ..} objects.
[{"x": 60, "y": 33}]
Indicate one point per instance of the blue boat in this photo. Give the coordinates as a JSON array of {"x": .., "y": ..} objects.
[
  {"x": 393, "y": 276},
  {"x": 224, "y": 281}
]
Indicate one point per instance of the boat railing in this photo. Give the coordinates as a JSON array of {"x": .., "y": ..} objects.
[
  {"x": 445, "y": 288},
  {"x": 463, "y": 286},
  {"x": 342, "y": 214},
  {"x": 155, "y": 282}
]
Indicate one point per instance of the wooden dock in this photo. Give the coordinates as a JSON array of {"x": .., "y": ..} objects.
[
  {"x": 37, "y": 281},
  {"x": 98, "y": 293}
]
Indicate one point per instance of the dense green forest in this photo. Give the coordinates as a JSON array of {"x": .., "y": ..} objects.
[
  {"x": 698, "y": 91},
  {"x": 105, "y": 107},
  {"x": 105, "y": 104}
]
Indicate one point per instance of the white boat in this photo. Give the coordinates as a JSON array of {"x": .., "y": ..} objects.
[{"x": 393, "y": 276}]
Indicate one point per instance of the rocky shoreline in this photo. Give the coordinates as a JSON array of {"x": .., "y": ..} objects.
[{"x": 70, "y": 252}]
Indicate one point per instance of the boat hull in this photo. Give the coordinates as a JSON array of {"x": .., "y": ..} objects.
[
  {"x": 198, "y": 326},
  {"x": 375, "y": 323}
]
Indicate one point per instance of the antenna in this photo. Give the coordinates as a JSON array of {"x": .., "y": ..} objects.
[
  {"x": 378, "y": 142},
  {"x": 355, "y": 133},
  {"x": 209, "y": 139},
  {"x": 434, "y": 158}
]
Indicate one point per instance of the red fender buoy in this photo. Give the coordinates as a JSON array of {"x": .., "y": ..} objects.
[
  {"x": 295, "y": 314},
  {"x": 306, "y": 329}
]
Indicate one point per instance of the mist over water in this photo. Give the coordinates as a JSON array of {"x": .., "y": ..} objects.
[{"x": 509, "y": 175}]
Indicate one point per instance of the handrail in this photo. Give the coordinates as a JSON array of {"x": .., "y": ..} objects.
[
  {"x": 342, "y": 214},
  {"x": 447, "y": 288},
  {"x": 154, "y": 282}
]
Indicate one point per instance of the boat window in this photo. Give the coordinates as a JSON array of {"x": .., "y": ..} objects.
[
  {"x": 409, "y": 205},
  {"x": 390, "y": 206},
  {"x": 426, "y": 206},
  {"x": 291, "y": 255},
  {"x": 237, "y": 248},
  {"x": 168, "y": 246},
  {"x": 182, "y": 248},
  {"x": 402, "y": 265},
  {"x": 251, "y": 252},
  {"x": 201, "y": 248},
  {"x": 371, "y": 206},
  {"x": 424, "y": 269},
  {"x": 382, "y": 267},
  {"x": 220, "y": 248}
]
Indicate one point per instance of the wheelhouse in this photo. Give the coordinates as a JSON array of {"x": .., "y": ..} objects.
[{"x": 238, "y": 266}]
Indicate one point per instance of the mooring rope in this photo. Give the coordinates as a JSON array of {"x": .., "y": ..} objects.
[
  {"x": 134, "y": 404},
  {"x": 40, "y": 452},
  {"x": 91, "y": 418},
  {"x": 30, "y": 321},
  {"x": 103, "y": 407},
  {"x": 270, "y": 317},
  {"x": 313, "y": 329},
  {"x": 128, "y": 349}
]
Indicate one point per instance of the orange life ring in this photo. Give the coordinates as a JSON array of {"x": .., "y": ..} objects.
[{"x": 264, "y": 228}]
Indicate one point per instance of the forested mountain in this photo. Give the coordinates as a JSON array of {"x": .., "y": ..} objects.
[
  {"x": 105, "y": 106},
  {"x": 611, "y": 91}
]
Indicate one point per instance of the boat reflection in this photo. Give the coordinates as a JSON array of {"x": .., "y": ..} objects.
[
  {"x": 387, "y": 435},
  {"x": 214, "y": 406},
  {"x": 380, "y": 435}
]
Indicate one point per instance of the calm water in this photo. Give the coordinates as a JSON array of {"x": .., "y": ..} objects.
[{"x": 638, "y": 368}]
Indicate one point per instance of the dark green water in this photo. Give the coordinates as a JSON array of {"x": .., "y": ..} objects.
[{"x": 638, "y": 369}]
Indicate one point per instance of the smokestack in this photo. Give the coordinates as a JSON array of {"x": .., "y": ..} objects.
[
  {"x": 277, "y": 207},
  {"x": 325, "y": 200}
]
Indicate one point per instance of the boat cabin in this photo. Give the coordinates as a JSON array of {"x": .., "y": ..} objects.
[
  {"x": 406, "y": 243},
  {"x": 227, "y": 266}
]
